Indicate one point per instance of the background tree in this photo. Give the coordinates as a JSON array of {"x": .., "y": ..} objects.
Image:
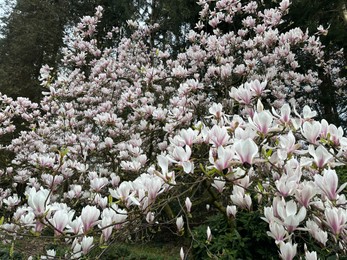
[{"x": 310, "y": 14}]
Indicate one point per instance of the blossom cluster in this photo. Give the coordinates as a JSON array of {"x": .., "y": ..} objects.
[{"x": 122, "y": 131}]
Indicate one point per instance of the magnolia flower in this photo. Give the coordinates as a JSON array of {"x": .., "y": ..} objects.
[
  {"x": 150, "y": 217},
  {"x": 219, "y": 184},
  {"x": 179, "y": 224},
  {"x": 38, "y": 200},
  {"x": 262, "y": 121},
  {"x": 188, "y": 135},
  {"x": 289, "y": 214},
  {"x": 188, "y": 204},
  {"x": 60, "y": 220},
  {"x": 86, "y": 244},
  {"x": 246, "y": 150},
  {"x": 311, "y": 131},
  {"x": 328, "y": 184},
  {"x": 182, "y": 157},
  {"x": 106, "y": 227},
  {"x": 182, "y": 254},
  {"x": 239, "y": 197},
  {"x": 12, "y": 201},
  {"x": 308, "y": 113},
  {"x": 277, "y": 232},
  {"x": 231, "y": 211},
  {"x": 218, "y": 136},
  {"x": 286, "y": 185},
  {"x": 257, "y": 87},
  {"x": 216, "y": 110},
  {"x": 288, "y": 250},
  {"x": 209, "y": 234},
  {"x": 336, "y": 219},
  {"x": 225, "y": 155},
  {"x": 320, "y": 156},
  {"x": 89, "y": 217},
  {"x": 305, "y": 192},
  {"x": 311, "y": 255},
  {"x": 317, "y": 233}
]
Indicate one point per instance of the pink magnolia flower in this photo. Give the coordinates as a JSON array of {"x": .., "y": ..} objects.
[
  {"x": 216, "y": 110},
  {"x": 336, "y": 219},
  {"x": 218, "y": 136},
  {"x": 305, "y": 192},
  {"x": 38, "y": 200},
  {"x": 328, "y": 183},
  {"x": 89, "y": 217},
  {"x": 60, "y": 220},
  {"x": 12, "y": 201},
  {"x": 262, "y": 121},
  {"x": 242, "y": 94},
  {"x": 288, "y": 212},
  {"x": 150, "y": 217},
  {"x": 288, "y": 250},
  {"x": 311, "y": 131},
  {"x": 86, "y": 244},
  {"x": 285, "y": 113},
  {"x": 277, "y": 232},
  {"x": 75, "y": 226},
  {"x": 231, "y": 211},
  {"x": 181, "y": 155},
  {"x": 246, "y": 150},
  {"x": 180, "y": 224},
  {"x": 288, "y": 143},
  {"x": 225, "y": 155},
  {"x": 320, "y": 156},
  {"x": 286, "y": 185},
  {"x": 239, "y": 197},
  {"x": 188, "y": 204},
  {"x": 257, "y": 86},
  {"x": 188, "y": 135},
  {"x": 308, "y": 113},
  {"x": 219, "y": 184},
  {"x": 317, "y": 233},
  {"x": 106, "y": 227}
]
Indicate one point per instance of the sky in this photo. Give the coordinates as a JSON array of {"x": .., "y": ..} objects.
[{"x": 3, "y": 7}]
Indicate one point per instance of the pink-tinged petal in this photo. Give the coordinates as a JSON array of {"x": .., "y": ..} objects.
[
  {"x": 246, "y": 150},
  {"x": 288, "y": 250},
  {"x": 311, "y": 131},
  {"x": 262, "y": 121},
  {"x": 328, "y": 183},
  {"x": 336, "y": 219},
  {"x": 89, "y": 217}
]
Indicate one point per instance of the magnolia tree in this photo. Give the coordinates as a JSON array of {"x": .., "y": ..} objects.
[{"x": 128, "y": 138}]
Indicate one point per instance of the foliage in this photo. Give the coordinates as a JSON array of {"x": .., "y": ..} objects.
[{"x": 247, "y": 239}]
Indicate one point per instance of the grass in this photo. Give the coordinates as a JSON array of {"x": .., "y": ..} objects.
[{"x": 35, "y": 246}]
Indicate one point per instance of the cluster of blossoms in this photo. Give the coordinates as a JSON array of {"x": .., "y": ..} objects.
[{"x": 121, "y": 131}]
